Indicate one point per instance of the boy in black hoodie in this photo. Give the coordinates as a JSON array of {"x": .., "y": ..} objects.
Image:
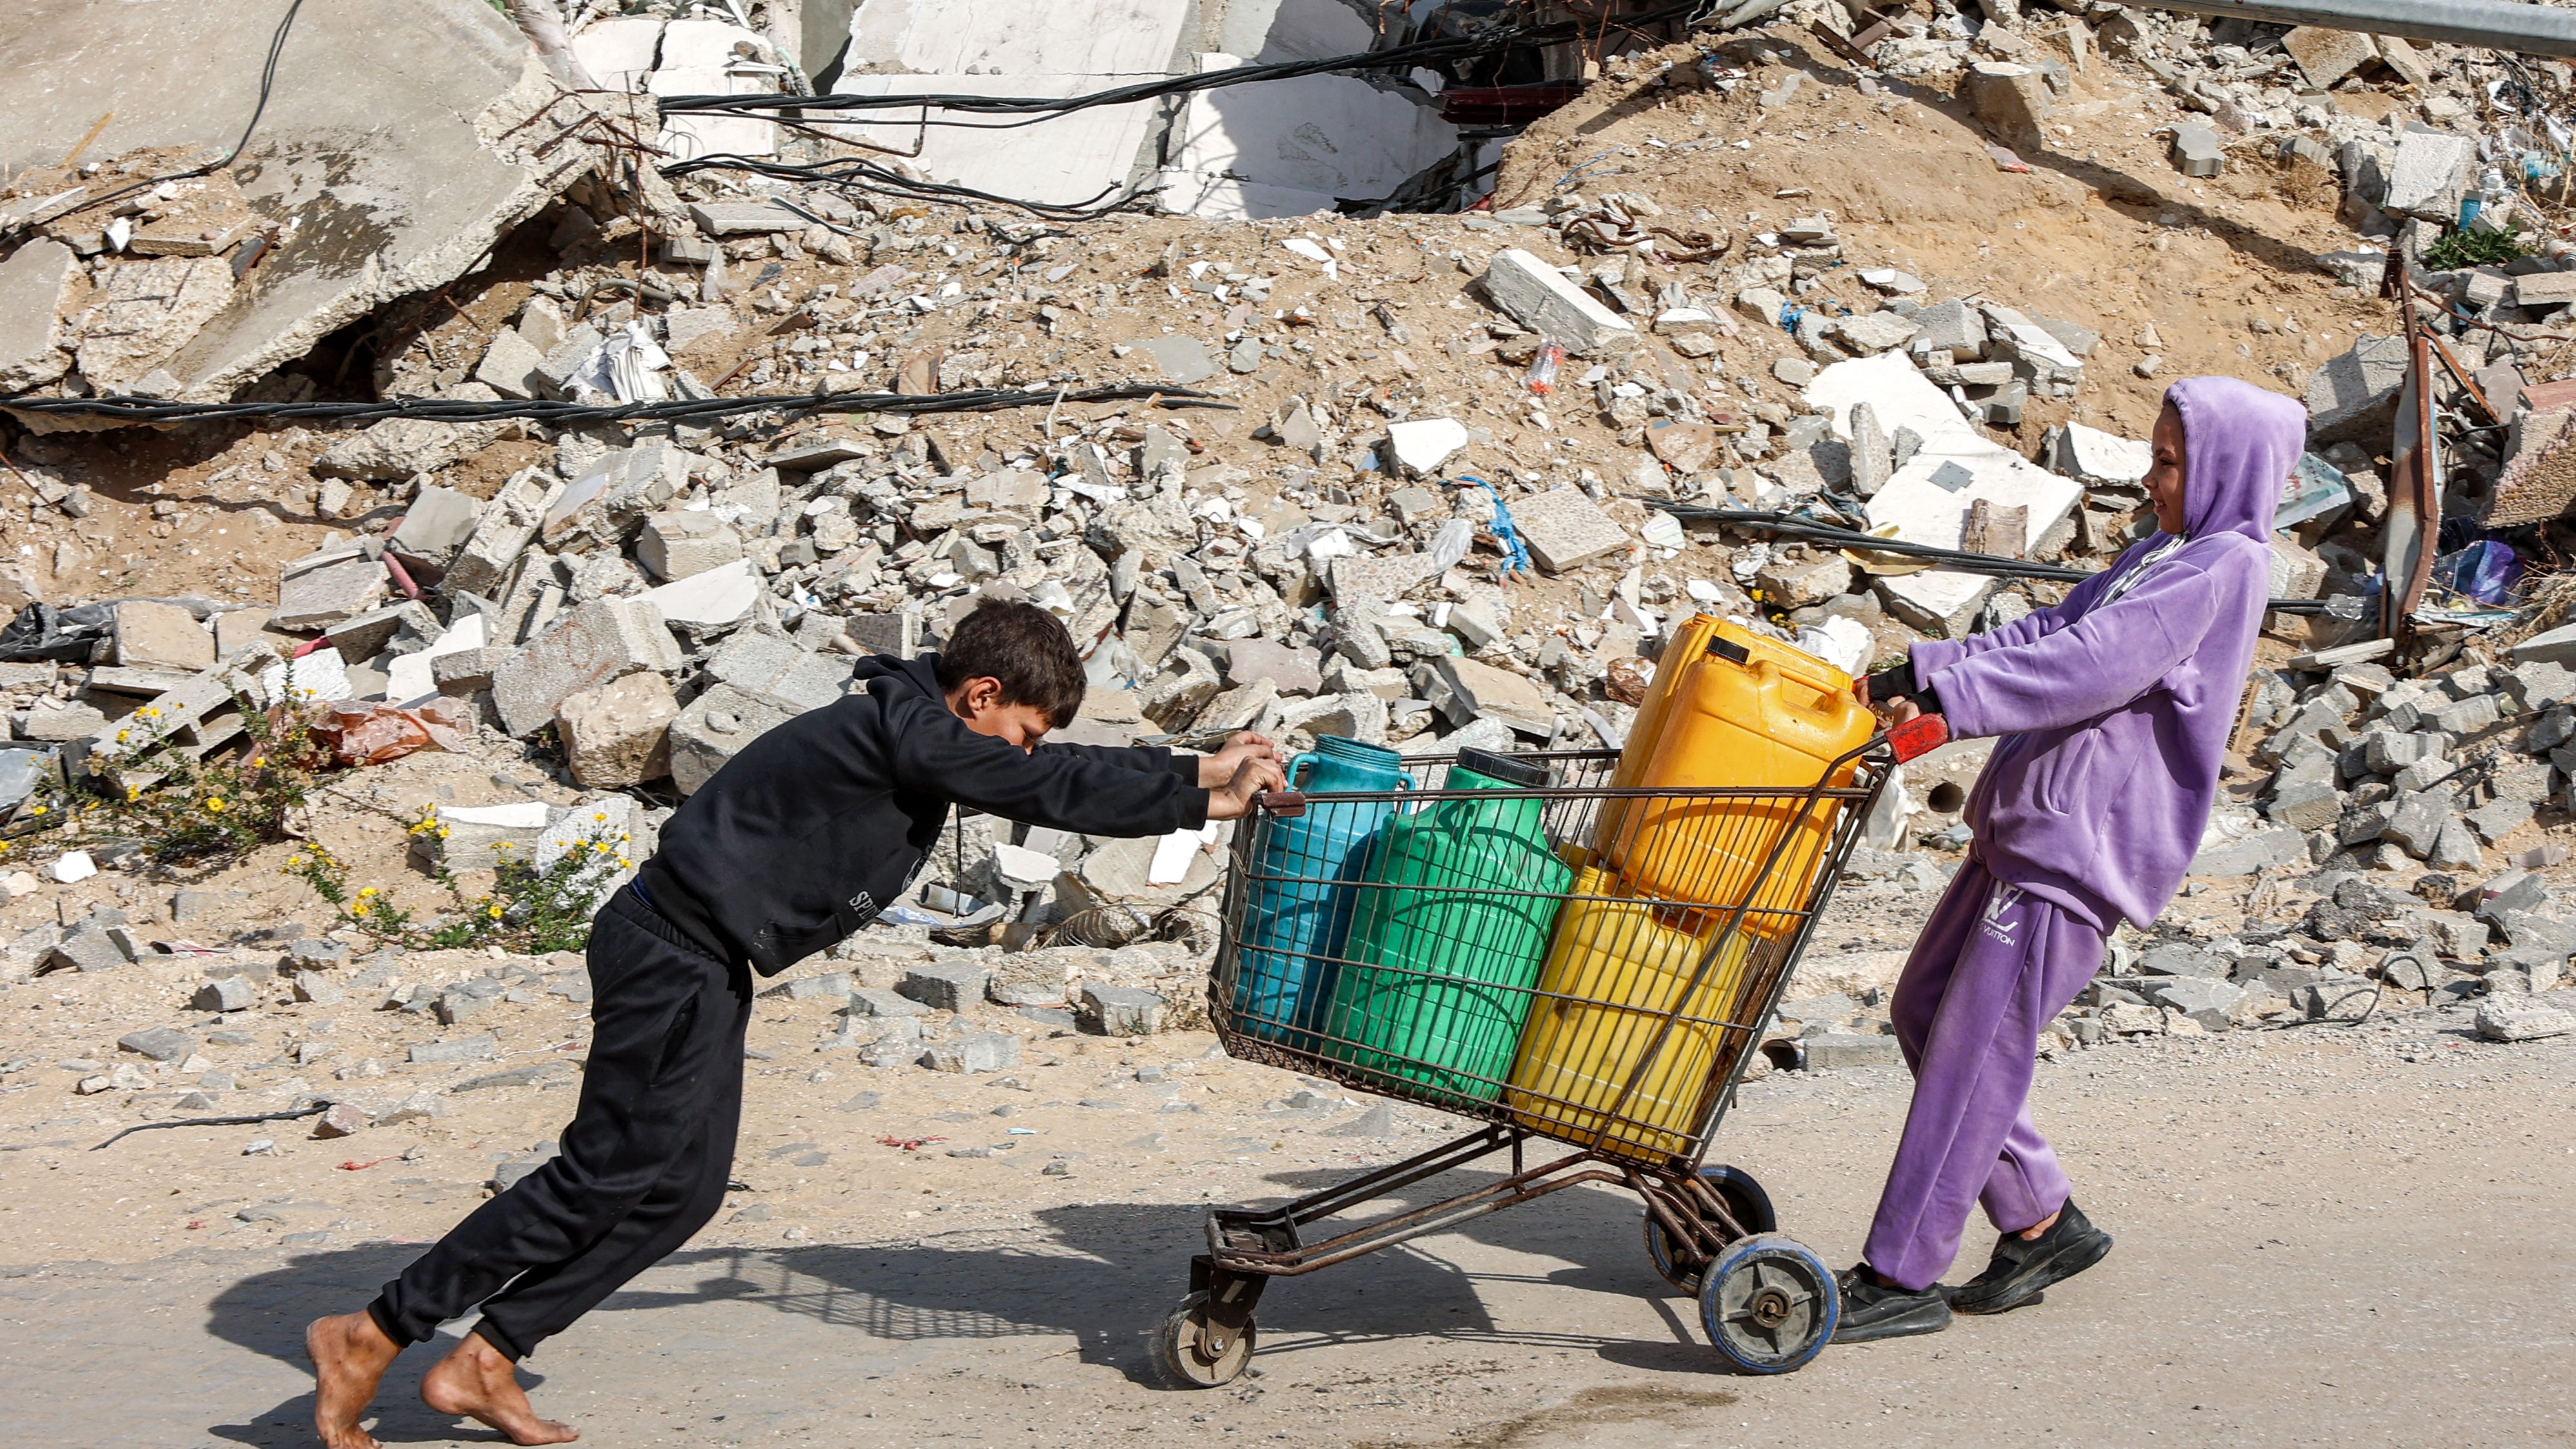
[{"x": 797, "y": 842}]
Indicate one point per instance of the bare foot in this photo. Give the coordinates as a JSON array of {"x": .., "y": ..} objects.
[
  {"x": 478, "y": 1383},
  {"x": 350, "y": 1355},
  {"x": 2032, "y": 1233}
]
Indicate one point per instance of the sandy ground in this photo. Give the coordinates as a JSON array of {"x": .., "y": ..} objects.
[{"x": 2326, "y": 1235}]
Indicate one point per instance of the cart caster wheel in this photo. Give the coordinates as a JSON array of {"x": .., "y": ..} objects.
[
  {"x": 1769, "y": 1304},
  {"x": 1190, "y": 1353},
  {"x": 1744, "y": 1199}
]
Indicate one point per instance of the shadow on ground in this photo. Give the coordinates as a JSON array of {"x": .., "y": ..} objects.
[{"x": 1104, "y": 1275}]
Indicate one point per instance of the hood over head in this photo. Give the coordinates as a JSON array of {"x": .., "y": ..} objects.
[{"x": 2239, "y": 444}]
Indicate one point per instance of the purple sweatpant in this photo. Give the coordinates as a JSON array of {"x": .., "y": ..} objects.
[{"x": 1993, "y": 966}]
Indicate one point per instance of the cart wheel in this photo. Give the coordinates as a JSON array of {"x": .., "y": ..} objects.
[
  {"x": 1769, "y": 1305},
  {"x": 1744, "y": 1199},
  {"x": 1187, "y": 1357}
]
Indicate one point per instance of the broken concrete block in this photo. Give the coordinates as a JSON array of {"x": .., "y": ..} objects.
[
  {"x": 680, "y": 544},
  {"x": 714, "y": 728},
  {"x": 601, "y": 641},
  {"x": 509, "y": 366},
  {"x": 2197, "y": 150},
  {"x": 1873, "y": 332},
  {"x": 953, "y": 985},
  {"x": 1421, "y": 446},
  {"x": 1565, "y": 530},
  {"x": 983, "y": 1051},
  {"x": 146, "y": 313},
  {"x": 364, "y": 636},
  {"x": 1794, "y": 583},
  {"x": 744, "y": 218},
  {"x": 766, "y": 665},
  {"x": 2354, "y": 395},
  {"x": 2326, "y": 56},
  {"x": 615, "y": 734},
  {"x": 32, "y": 283},
  {"x": 502, "y": 532},
  {"x": 2429, "y": 176},
  {"x": 1291, "y": 669},
  {"x": 2013, "y": 99},
  {"x": 2519, "y": 1018},
  {"x": 230, "y": 993},
  {"x": 435, "y": 524},
  {"x": 161, "y": 636},
  {"x": 86, "y": 947},
  {"x": 1540, "y": 298},
  {"x": 2545, "y": 291},
  {"x": 1123, "y": 1010},
  {"x": 324, "y": 588},
  {"x": 1470, "y": 691}
]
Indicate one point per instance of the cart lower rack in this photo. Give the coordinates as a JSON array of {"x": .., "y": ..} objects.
[{"x": 1468, "y": 938}]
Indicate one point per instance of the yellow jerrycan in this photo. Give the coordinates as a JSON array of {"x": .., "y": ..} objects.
[
  {"x": 1619, "y": 965},
  {"x": 1687, "y": 641},
  {"x": 1747, "y": 712}
]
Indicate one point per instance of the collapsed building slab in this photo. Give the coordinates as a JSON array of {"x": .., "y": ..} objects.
[
  {"x": 402, "y": 139},
  {"x": 1284, "y": 148},
  {"x": 1929, "y": 498}
]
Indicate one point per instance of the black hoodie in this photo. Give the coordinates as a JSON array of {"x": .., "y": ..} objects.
[{"x": 809, "y": 832}]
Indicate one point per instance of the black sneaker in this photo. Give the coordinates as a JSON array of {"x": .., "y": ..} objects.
[
  {"x": 1871, "y": 1311},
  {"x": 2020, "y": 1268}
]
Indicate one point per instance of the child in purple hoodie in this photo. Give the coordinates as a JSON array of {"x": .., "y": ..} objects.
[{"x": 2115, "y": 708}]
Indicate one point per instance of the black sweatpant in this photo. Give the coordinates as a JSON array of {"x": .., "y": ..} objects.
[{"x": 644, "y": 1163}]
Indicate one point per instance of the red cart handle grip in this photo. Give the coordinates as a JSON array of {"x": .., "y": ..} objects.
[
  {"x": 1286, "y": 804},
  {"x": 1918, "y": 736}
]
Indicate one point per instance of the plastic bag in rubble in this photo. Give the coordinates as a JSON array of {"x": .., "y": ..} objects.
[
  {"x": 2487, "y": 571},
  {"x": 372, "y": 733},
  {"x": 628, "y": 366},
  {"x": 42, "y": 631}
]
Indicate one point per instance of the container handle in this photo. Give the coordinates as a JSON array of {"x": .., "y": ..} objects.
[{"x": 1290, "y": 774}]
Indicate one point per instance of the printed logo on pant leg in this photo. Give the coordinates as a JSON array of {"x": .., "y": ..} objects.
[{"x": 2003, "y": 915}]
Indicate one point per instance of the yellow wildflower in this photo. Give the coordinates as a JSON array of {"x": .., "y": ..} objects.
[
  {"x": 493, "y": 911},
  {"x": 215, "y": 805}
]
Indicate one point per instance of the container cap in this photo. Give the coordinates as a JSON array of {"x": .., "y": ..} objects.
[{"x": 1528, "y": 774}]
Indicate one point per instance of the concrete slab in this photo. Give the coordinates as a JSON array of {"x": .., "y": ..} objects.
[
  {"x": 620, "y": 54},
  {"x": 390, "y": 138},
  {"x": 32, "y": 286},
  {"x": 1063, "y": 160},
  {"x": 1928, "y": 498},
  {"x": 705, "y": 58},
  {"x": 1334, "y": 135},
  {"x": 1124, "y": 39}
]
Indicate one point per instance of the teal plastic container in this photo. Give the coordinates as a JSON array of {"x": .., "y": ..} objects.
[
  {"x": 1449, "y": 933},
  {"x": 1297, "y": 915}
]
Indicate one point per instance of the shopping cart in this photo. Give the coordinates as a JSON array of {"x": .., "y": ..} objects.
[{"x": 1621, "y": 1040}]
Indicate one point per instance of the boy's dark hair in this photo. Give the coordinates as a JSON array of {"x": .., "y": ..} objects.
[{"x": 1026, "y": 648}]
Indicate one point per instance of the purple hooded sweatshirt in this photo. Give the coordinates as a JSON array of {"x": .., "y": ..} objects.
[{"x": 2116, "y": 715}]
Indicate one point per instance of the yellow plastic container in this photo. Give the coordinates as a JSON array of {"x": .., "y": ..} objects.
[
  {"x": 1629, "y": 962},
  {"x": 1747, "y": 712},
  {"x": 1685, "y": 645}
]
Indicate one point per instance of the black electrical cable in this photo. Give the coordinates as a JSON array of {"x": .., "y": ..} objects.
[
  {"x": 267, "y": 84},
  {"x": 860, "y": 174},
  {"x": 315, "y": 1110},
  {"x": 464, "y": 410},
  {"x": 1789, "y": 525}
]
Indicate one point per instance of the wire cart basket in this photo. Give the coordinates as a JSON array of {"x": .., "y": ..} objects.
[{"x": 1513, "y": 940}]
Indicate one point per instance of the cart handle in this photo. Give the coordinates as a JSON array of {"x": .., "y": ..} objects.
[
  {"x": 1918, "y": 736},
  {"x": 1284, "y": 804}
]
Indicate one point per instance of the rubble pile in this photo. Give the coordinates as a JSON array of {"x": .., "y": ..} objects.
[{"x": 1431, "y": 480}]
